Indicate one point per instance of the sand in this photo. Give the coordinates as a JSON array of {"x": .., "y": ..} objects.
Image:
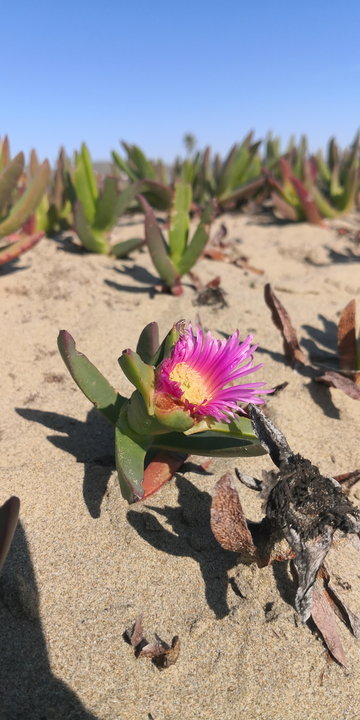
[{"x": 84, "y": 564}]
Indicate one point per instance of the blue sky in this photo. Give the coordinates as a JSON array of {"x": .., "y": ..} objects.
[{"x": 148, "y": 72}]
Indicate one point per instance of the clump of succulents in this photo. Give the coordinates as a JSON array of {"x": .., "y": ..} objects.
[
  {"x": 96, "y": 209},
  {"x": 54, "y": 212},
  {"x": 153, "y": 176},
  {"x": 310, "y": 188},
  {"x": 175, "y": 258},
  {"x": 187, "y": 398},
  {"x": 19, "y": 199},
  {"x": 229, "y": 182}
]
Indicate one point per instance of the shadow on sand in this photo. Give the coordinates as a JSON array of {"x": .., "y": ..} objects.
[
  {"x": 191, "y": 536},
  {"x": 28, "y": 688},
  {"x": 90, "y": 442}
]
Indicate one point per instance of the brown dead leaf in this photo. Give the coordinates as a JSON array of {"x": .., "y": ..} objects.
[
  {"x": 228, "y": 521},
  {"x": 324, "y": 619},
  {"x": 135, "y": 636},
  {"x": 199, "y": 285},
  {"x": 214, "y": 283},
  {"x": 282, "y": 321},
  {"x": 292, "y": 349},
  {"x": 340, "y": 608},
  {"x": 347, "y": 338},
  {"x": 162, "y": 655},
  {"x": 215, "y": 254},
  {"x": 210, "y": 294},
  {"x": 243, "y": 262},
  {"x": 335, "y": 379}
]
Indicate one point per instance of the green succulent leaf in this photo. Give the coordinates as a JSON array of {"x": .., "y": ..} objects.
[
  {"x": 28, "y": 201},
  {"x": 234, "y": 439},
  {"x": 323, "y": 205},
  {"x": 130, "y": 452},
  {"x": 141, "y": 375},
  {"x": 125, "y": 198},
  {"x": 148, "y": 343},
  {"x": 347, "y": 199},
  {"x": 156, "y": 193},
  {"x": 91, "y": 239},
  {"x": 105, "y": 213},
  {"x": 158, "y": 248},
  {"x": 144, "y": 168},
  {"x": 198, "y": 242},
  {"x": 89, "y": 379},
  {"x": 243, "y": 192},
  {"x": 210, "y": 444},
  {"x": 123, "y": 166},
  {"x": 240, "y": 166},
  {"x": 124, "y": 248},
  {"x": 33, "y": 163},
  {"x": 9, "y": 178},
  {"x": 4, "y": 153},
  {"x": 165, "y": 419},
  {"x": 179, "y": 221},
  {"x": 322, "y": 167},
  {"x": 59, "y": 184},
  {"x": 85, "y": 184}
]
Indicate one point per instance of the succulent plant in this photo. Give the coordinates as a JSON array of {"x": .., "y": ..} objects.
[
  {"x": 185, "y": 399},
  {"x": 229, "y": 182},
  {"x": 311, "y": 189},
  {"x": 54, "y": 212},
  {"x": 337, "y": 180},
  {"x": 272, "y": 152},
  {"x": 175, "y": 258},
  {"x": 239, "y": 176},
  {"x": 291, "y": 198},
  {"x": 197, "y": 170},
  {"x": 4, "y": 153},
  {"x": 16, "y": 244},
  {"x": 153, "y": 175},
  {"x": 96, "y": 211},
  {"x": 17, "y": 205},
  {"x": 9, "y": 513}
]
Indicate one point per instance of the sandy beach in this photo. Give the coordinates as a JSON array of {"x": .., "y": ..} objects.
[{"x": 84, "y": 564}]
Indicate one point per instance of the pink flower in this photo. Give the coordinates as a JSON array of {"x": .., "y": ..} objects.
[{"x": 201, "y": 371}]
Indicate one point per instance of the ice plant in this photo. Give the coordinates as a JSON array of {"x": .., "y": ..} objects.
[
  {"x": 96, "y": 209},
  {"x": 186, "y": 399},
  {"x": 153, "y": 176},
  {"x": 19, "y": 198},
  {"x": 175, "y": 257},
  {"x": 200, "y": 373}
]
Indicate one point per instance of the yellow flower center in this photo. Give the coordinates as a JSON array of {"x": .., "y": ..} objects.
[{"x": 191, "y": 382}]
